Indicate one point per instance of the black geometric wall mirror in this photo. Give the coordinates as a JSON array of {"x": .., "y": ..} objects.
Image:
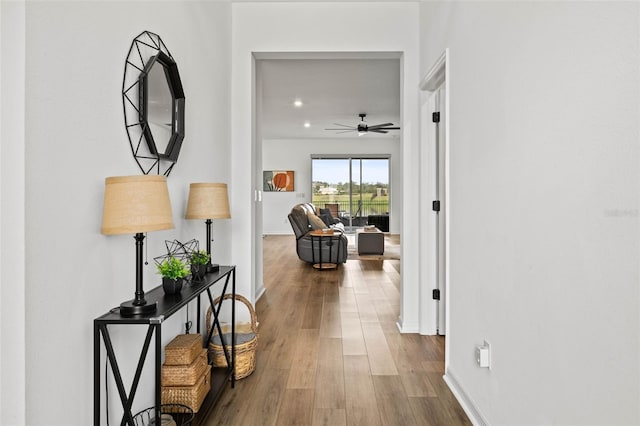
[
  {"x": 153, "y": 101},
  {"x": 162, "y": 107}
]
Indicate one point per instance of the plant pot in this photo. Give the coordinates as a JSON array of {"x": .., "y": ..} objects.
[
  {"x": 199, "y": 271},
  {"x": 171, "y": 286}
]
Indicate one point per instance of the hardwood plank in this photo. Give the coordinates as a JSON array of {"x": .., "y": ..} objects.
[
  {"x": 330, "y": 325},
  {"x": 329, "y": 388},
  {"x": 361, "y": 402},
  {"x": 357, "y": 416},
  {"x": 409, "y": 352},
  {"x": 229, "y": 409},
  {"x": 263, "y": 410},
  {"x": 304, "y": 361},
  {"x": 365, "y": 308},
  {"x": 348, "y": 300},
  {"x": 329, "y": 417},
  {"x": 417, "y": 385},
  {"x": 283, "y": 349},
  {"x": 359, "y": 390},
  {"x": 352, "y": 338},
  {"x": 313, "y": 309},
  {"x": 331, "y": 290},
  {"x": 433, "y": 366},
  {"x": 380, "y": 359},
  {"x": 376, "y": 293},
  {"x": 430, "y": 412},
  {"x": 296, "y": 408},
  {"x": 392, "y": 401}
]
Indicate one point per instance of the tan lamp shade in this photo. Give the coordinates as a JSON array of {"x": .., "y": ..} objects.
[
  {"x": 136, "y": 204},
  {"x": 208, "y": 201}
]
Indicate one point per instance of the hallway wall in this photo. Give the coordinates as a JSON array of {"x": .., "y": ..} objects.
[
  {"x": 319, "y": 27},
  {"x": 75, "y": 137},
  {"x": 545, "y": 184}
]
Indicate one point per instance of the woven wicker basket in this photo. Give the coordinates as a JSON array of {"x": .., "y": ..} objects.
[
  {"x": 191, "y": 396},
  {"x": 185, "y": 375},
  {"x": 245, "y": 351},
  {"x": 183, "y": 349}
]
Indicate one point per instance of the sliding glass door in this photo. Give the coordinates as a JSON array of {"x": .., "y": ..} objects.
[{"x": 353, "y": 188}]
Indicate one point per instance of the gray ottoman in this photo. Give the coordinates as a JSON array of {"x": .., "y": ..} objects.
[{"x": 370, "y": 242}]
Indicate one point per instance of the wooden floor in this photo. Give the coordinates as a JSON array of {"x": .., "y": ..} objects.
[{"x": 329, "y": 351}]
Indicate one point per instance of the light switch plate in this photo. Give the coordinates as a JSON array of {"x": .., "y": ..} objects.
[{"x": 483, "y": 355}]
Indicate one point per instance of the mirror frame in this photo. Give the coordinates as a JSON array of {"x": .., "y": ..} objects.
[
  {"x": 146, "y": 50},
  {"x": 177, "y": 111}
]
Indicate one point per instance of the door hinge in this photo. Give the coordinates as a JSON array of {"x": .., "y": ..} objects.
[
  {"x": 436, "y": 294},
  {"x": 435, "y": 117},
  {"x": 435, "y": 206}
]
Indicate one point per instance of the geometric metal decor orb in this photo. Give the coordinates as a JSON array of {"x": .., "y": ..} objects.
[
  {"x": 153, "y": 102},
  {"x": 175, "y": 248}
]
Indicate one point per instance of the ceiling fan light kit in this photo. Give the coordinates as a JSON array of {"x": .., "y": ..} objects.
[{"x": 362, "y": 128}]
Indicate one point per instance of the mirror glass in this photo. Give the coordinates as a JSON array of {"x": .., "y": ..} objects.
[
  {"x": 159, "y": 107},
  {"x": 162, "y": 107}
]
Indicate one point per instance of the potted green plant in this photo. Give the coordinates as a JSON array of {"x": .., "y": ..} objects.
[
  {"x": 199, "y": 262},
  {"x": 173, "y": 271}
]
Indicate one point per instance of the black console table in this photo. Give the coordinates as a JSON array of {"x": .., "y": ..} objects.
[{"x": 167, "y": 306}]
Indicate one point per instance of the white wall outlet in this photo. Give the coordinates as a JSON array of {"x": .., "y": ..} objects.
[{"x": 483, "y": 355}]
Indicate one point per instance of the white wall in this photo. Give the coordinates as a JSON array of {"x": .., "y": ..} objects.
[
  {"x": 321, "y": 27},
  {"x": 12, "y": 214},
  {"x": 75, "y": 137},
  {"x": 287, "y": 154},
  {"x": 544, "y": 206}
]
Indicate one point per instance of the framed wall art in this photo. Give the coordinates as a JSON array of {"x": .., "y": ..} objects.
[{"x": 277, "y": 181}]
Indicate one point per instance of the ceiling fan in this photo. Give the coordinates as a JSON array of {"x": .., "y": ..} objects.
[{"x": 362, "y": 127}]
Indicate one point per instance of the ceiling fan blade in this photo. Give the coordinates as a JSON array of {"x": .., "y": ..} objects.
[
  {"x": 346, "y": 131},
  {"x": 351, "y": 129},
  {"x": 380, "y": 125},
  {"x": 343, "y": 125},
  {"x": 378, "y": 131}
]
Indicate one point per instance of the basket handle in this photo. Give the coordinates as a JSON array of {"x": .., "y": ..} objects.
[{"x": 252, "y": 312}]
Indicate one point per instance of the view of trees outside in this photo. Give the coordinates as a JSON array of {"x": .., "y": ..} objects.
[{"x": 368, "y": 189}]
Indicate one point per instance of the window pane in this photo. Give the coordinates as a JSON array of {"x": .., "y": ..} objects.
[
  {"x": 353, "y": 188},
  {"x": 375, "y": 186}
]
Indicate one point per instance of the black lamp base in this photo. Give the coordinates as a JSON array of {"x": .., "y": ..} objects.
[
  {"x": 129, "y": 309},
  {"x": 213, "y": 267}
]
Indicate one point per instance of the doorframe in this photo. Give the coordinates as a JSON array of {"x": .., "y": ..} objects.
[
  {"x": 438, "y": 76},
  {"x": 257, "y": 285}
]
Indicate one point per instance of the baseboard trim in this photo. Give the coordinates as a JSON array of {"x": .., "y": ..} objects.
[
  {"x": 465, "y": 402},
  {"x": 259, "y": 295},
  {"x": 405, "y": 328}
]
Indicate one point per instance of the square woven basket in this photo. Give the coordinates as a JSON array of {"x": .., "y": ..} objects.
[
  {"x": 191, "y": 396},
  {"x": 183, "y": 349},
  {"x": 185, "y": 375}
]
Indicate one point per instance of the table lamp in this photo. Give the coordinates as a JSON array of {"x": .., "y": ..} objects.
[
  {"x": 208, "y": 201},
  {"x": 135, "y": 205}
]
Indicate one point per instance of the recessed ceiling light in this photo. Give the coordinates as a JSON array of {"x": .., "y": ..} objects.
[
  {"x": 307, "y": 124},
  {"x": 297, "y": 103}
]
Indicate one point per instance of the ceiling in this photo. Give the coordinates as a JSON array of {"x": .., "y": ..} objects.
[{"x": 332, "y": 91}]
